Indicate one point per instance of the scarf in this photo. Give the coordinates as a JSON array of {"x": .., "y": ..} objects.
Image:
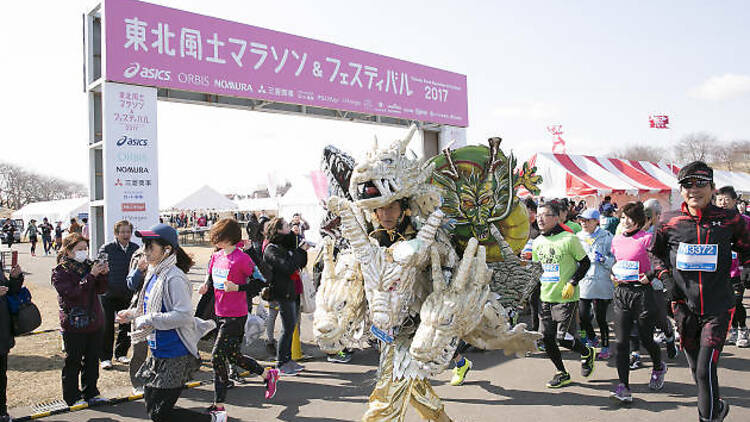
[
  {"x": 73, "y": 266},
  {"x": 155, "y": 296}
]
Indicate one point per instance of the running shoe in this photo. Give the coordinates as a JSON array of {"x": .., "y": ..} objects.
[
  {"x": 659, "y": 337},
  {"x": 657, "y": 377},
  {"x": 297, "y": 367},
  {"x": 742, "y": 338},
  {"x": 271, "y": 382},
  {"x": 340, "y": 357},
  {"x": 288, "y": 370},
  {"x": 635, "y": 361},
  {"x": 723, "y": 410},
  {"x": 106, "y": 365},
  {"x": 622, "y": 393},
  {"x": 561, "y": 379},
  {"x": 732, "y": 339},
  {"x": 459, "y": 373},
  {"x": 97, "y": 400},
  {"x": 540, "y": 345},
  {"x": 604, "y": 353},
  {"x": 123, "y": 360},
  {"x": 594, "y": 342},
  {"x": 587, "y": 363},
  {"x": 672, "y": 350},
  {"x": 218, "y": 415}
]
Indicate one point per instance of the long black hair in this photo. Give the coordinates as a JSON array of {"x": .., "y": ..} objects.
[{"x": 184, "y": 261}]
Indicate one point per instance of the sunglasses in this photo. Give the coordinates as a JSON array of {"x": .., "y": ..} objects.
[{"x": 695, "y": 183}]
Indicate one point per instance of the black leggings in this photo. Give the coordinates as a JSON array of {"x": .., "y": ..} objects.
[
  {"x": 32, "y": 240},
  {"x": 227, "y": 350},
  {"x": 600, "y": 310},
  {"x": 534, "y": 306},
  {"x": 634, "y": 302},
  {"x": 740, "y": 314},
  {"x": 160, "y": 406},
  {"x": 3, "y": 383},
  {"x": 702, "y": 338}
]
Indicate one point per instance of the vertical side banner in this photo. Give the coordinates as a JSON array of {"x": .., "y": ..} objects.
[{"x": 131, "y": 177}]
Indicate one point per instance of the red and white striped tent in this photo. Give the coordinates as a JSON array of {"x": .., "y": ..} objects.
[{"x": 591, "y": 178}]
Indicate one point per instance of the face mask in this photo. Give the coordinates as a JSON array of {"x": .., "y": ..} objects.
[{"x": 81, "y": 256}]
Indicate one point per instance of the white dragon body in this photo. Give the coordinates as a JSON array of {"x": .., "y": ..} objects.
[{"x": 415, "y": 300}]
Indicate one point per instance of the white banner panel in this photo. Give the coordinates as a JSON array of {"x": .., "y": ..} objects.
[{"x": 131, "y": 178}]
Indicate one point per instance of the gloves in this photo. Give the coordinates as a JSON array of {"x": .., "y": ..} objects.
[
  {"x": 142, "y": 322},
  {"x": 569, "y": 291},
  {"x": 669, "y": 286},
  {"x": 745, "y": 277}
]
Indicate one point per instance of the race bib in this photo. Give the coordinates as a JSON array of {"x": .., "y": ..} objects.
[
  {"x": 734, "y": 256},
  {"x": 381, "y": 335},
  {"x": 691, "y": 257},
  {"x": 551, "y": 273},
  {"x": 219, "y": 276},
  {"x": 151, "y": 340},
  {"x": 627, "y": 270}
]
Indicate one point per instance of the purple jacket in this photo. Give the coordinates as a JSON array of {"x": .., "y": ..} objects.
[{"x": 73, "y": 291}]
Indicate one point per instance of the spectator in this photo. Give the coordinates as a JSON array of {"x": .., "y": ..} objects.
[
  {"x": 58, "y": 236},
  {"x": 284, "y": 259},
  {"x": 608, "y": 221},
  {"x": 46, "y": 229},
  {"x": 31, "y": 233},
  {"x": 303, "y": 226},
  {"x": 9, "y": 232},
  {"x": 119, "y": 253},
  {"x": 74, "y": 226},
  {"x": 85, "y": 228},
  {"x": 10, "y": 286},
  {"x": 78, "y": 281}
]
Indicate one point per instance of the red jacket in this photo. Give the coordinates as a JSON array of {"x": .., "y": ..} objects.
[{"x": 74, "y": 291}]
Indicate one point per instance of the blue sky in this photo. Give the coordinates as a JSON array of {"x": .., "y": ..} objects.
[{"x": 597, "y": 68}]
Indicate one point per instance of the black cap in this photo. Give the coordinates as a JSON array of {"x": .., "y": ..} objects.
[{"x": 696, "y": 170}]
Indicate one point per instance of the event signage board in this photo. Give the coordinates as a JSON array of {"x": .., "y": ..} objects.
[
  {"x": 131, "y": 180},
  {"x": 158, "y": 46}
]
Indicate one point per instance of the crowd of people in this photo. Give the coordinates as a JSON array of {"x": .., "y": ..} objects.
[
  {"x": 641, "y": 263},
  {"x": 658, "y": 277}
]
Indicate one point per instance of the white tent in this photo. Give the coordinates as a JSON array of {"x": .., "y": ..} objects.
[
  {"x": 257, "y": 204},
  {"x": 205, "y": 198},
  {"x": 301, "y": 198},
  {"x": 59, "y": 210}
]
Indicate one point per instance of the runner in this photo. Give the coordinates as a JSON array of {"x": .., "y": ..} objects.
[
  {"x": 726, "y": 198},
  {"x": 691, "y": 253},
  {"x": 596, "y": 286},
  {"x": 233, "y": 274},
  {"x": 565, "y": 263},
  {"x": 634, "y": 299}
]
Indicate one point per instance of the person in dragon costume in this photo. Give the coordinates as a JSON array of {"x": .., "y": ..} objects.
[{"x": 401, "y": 275}]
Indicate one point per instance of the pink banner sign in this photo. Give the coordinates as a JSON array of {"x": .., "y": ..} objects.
[{"x": 163, "y": 47}]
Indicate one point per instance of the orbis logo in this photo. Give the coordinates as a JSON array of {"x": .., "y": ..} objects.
[
  {"x": 147, "y": 72},
  {"x": 126, "y": 140}
]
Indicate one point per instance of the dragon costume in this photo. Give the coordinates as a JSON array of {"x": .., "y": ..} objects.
[{"x": 417, "y": 287}]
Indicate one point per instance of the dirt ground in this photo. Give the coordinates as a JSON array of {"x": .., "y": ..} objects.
[{"x": 35, "y": 363}]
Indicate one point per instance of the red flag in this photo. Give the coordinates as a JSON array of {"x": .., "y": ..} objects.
[
  {"x": 658, "y": 122},
  {"x": 558, "y": 144}
]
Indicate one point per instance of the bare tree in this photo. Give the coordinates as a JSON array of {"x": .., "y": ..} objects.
[
  {"x": 641, "y": 153},
  {"x": 19, "y": 187},
  {"x": 697, "y": 146}
]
